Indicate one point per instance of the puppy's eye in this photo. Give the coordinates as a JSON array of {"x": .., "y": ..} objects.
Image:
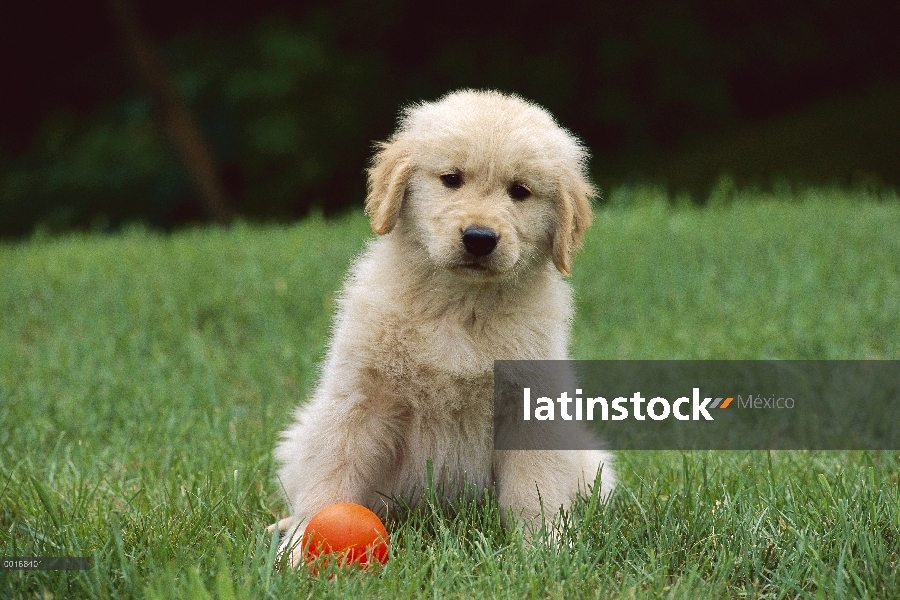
[
  {"x": 452, "y": 180},
  {"x": 517, "y": 191}
]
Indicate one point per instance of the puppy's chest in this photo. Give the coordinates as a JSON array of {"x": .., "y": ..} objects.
[
  {"x": 466, "y": 344},
  {"x": 443, "y": 398},
  {"x": 450, "y": 425}
]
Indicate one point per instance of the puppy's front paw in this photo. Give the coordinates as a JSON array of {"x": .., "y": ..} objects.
[
  {"x": 292, "y": 529},
  {"x": 283, "y": 525}
]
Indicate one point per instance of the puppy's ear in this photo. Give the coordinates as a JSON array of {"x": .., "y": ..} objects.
[
  {"x": 573, "y": 218},
  {"x": 388, "y": 177}
]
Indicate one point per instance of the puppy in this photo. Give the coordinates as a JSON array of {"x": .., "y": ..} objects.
[{"x": 480, "y": 201}]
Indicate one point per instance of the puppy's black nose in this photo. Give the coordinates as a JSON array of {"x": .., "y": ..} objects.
[{"x": 478, "y": 241}]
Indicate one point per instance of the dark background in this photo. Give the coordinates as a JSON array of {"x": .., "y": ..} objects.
[{"x": 289, "y": 96}]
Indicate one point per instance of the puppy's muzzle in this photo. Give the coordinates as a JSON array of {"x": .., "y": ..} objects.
[{"x": 479, "y": 241}]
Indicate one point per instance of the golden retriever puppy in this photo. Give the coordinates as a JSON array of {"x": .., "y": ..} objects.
[{"x": 480, "y": 200}]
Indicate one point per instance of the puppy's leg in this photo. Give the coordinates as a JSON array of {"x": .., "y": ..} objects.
[
  {"x": 332, "y": 456},
  {"x": 529, "y": 481}
]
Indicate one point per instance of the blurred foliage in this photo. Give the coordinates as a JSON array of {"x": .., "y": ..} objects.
[
  {"x": 284, "y": 110},
  {"x": 291, "y": 106},
  {"x": 839, "y": 141}
]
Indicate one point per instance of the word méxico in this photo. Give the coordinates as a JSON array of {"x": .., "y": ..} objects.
[
  {"x": 657, "y": 408},
  {"x": 761, "y": 402}
]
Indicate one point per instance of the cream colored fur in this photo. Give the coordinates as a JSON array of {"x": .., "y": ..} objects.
[{"x": 408, "y": 375}]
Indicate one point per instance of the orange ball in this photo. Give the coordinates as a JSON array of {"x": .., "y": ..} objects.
[{"x": 350, "y": 530}]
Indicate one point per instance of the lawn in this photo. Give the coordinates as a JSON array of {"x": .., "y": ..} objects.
[{"x": 144, "y": 379}]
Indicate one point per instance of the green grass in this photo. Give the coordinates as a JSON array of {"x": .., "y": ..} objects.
[{"x": 144, "y": 379}]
